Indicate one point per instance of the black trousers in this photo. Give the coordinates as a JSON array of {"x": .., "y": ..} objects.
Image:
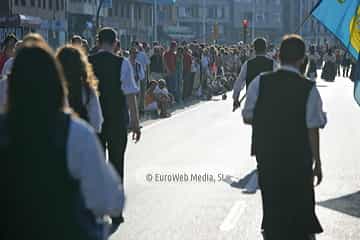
[{"x": 114, "y": 140}]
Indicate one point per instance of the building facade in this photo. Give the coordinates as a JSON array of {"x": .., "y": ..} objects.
[
  {"x": 47, "y": 17},
  {"x": 199, "y": 18}
]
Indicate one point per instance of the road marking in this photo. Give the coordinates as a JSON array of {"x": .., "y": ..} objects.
[
  {"x": 191, "y": 109},
  {"x": 233, "y": 217}
]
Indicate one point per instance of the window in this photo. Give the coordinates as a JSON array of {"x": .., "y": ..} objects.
[
  {"x": 23, "y": 3},
  {"x": 110, "y": 12},
  {"x": 16, "y": 2},
  {"x": 50, "y": 4},
  {"x": 44, "y": 4},
  {"x": 32, "y": 3},
  {"x": 39, "y": 4},
  {"x": 62, "y": 4},
  {"x": 57, "y": 5}
]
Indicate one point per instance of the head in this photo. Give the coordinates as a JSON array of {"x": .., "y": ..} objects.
[
  {"x": 292, "y": 51},
  {"x": 9, "y": 45},
  {"x": 153, "y": 84},
  {"x": 76, "y": 41},
  {"x": 79, "y": 75},
  {"x": 180, "y": 50},
  {"x": 133, "y": 53},
  {"x": 107, "y": 38},
  {"x": 162, "y": 83},
  {"x": 34, "y": 39},
  {"x": 173, "y": 46},
  {"x": 312, "y": 49},
  {"x": 85, "y": 46},
  {"x": 259, "y": 46},
  {"x": 36, "y": 92}
]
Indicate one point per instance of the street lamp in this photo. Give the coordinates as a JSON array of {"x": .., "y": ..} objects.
[{"x": 98, "y": 13}]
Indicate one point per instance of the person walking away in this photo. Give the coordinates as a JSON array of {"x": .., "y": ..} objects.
[
  {"x": 82, "y": 85},
  {"x": 285, "y": 111},
  {"x": 346, "y": 63},
  {"x": 338, "y": 61},
  {"x": 313, "y": 59},
  {"x": 170, "y": 67},
  {"x": 56, "y": 157},
  {"x": 329, "y": 69},
  {"x": 251, "y": 69},
  {"x": 156, "y": 65},
  {"x": 118, "y": 91}
]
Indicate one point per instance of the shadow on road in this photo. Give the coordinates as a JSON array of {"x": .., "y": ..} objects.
[
  {"x": 321, "y": 85},
  {"x": 348, "y": 204},
  {"x": 240, "y": 184}
]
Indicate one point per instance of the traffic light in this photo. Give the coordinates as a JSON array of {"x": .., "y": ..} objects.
[{"x": 245, "y": 24}]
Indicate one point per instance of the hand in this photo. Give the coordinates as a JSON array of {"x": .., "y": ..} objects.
[
  {"x": 136, "y": 132},
  {"x": 236, "y": 105},
  {"x": 317, "y": 172}
]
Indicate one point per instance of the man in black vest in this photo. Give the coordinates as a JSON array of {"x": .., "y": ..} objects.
[
  {"x": 285, "y": 110},
  {"x": 251, "y": 69},
  {"x": 117, "y": 97}
]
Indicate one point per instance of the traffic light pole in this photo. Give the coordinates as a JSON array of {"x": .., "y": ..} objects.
[{"x": 98, "y": 13}]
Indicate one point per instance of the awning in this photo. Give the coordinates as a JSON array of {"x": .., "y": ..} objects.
[{"x": 20, "y": 20}]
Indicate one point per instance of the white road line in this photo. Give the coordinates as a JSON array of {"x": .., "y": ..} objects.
[
  {"x": 233, "y": 217},
  {"x": 173, "y": 116}
]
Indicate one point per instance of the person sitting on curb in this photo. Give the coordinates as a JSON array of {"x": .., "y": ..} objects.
[{"x": 155, "y": 100}]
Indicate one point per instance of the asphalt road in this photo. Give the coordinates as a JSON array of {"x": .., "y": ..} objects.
[{"x": 208, "y": 140}]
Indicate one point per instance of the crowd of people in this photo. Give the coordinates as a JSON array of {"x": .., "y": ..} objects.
[{"x": 66, "y": 115}]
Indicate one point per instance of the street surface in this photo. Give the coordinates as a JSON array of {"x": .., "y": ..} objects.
[{"x": 209, "y": 140}]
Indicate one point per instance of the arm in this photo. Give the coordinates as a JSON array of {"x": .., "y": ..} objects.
[
  {"x": 251, "y": 99},
  {"x": 315, "y": 119},
  {"x": 96, "y": 118},
  {"x": 314, "y": 144},
  {"x": 130, "y": 89},
  {"x": 240, "y": 82}
]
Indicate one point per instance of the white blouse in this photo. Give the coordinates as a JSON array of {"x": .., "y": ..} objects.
[{"x": 100, "y": 185}]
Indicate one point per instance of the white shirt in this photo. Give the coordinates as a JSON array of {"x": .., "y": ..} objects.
[
  {"x": 241, "y": 80},
  {"x": 100, "y": 185},
  {"x": 7, "y": 67},
  {"x": 128, "y": 84},
  {"x": 94, "y": 111},
  {"x": 315, "y": 116}
]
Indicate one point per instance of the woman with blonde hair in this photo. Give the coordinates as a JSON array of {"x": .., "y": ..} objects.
[{"x": 82, "y": 85}]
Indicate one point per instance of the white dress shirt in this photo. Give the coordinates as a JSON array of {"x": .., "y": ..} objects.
[
  {"x": 241, "y": 80},
  {"x": 128, "y": 84},
  {"x": 315, "y": 116},
  {"x": 94, "y": 111},
  {"x": 99, "y": 184}
]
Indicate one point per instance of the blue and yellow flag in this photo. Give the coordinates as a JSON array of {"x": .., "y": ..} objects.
[{"x": 342, "y": 18}]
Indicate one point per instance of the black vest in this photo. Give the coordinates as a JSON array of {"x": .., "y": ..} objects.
[
  {"x": 38, "y": 192},
  {"x": 107, "y": 68},
  {"x": 257, "y": 65},
  {"x": 279, "y": 123}
]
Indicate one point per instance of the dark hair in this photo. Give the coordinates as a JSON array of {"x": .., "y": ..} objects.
[
  {"x": 36, "y": 94},
  {"x": 76, "y": 39},
  {"x": 292, "y": 49},
  {"x": 79, "y": 76},
  {"x": 8, "y": 39},
  {"x": 107, "y": 35},
  {"x": 259, "y": 45}
]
